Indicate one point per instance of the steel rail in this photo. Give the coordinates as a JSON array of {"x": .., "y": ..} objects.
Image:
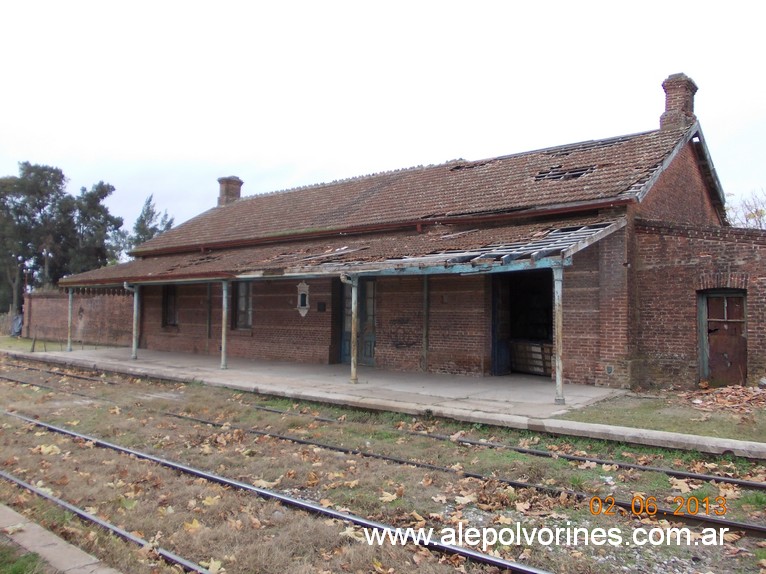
[
  {"x": 166, "y": 555},
  {"x": 550, "y": 490},
  {"x": 756, "y": 529},
  {"x": 289, "y": 501},
  {"x": 576, "y": 458},
  {"x": 743, "y": 483}
]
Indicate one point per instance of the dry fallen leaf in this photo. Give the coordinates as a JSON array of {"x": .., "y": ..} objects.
[
  {"x": 681, "y": 485},
  {"x": 47, "y": 449},
  {"x": 260, "y": 483},
  {"x": 522, "y": 506},
  {"x": 388, "y": 497},
  {"x": 214, "y": 566},
  {"x": 465, "y": 499},
  {"x": 193, "y": 527},
  {"x": 350, "y": 532},
  {"x": 13, "y": 528}
]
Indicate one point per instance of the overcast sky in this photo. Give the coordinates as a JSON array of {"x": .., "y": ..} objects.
[{"x": 163, "y": 97}]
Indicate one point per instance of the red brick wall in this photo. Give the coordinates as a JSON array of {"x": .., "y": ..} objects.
[
  {"x": 399, "y": 323},
  {"x": 581, "y": 321},
  {"x": 458, "y": 324},
  {"x": 279, "y": 332},
  {"x": 459, "y": 338},
  {"x": 614, "y": 368},
  {"x": 596, "y": 315},
  {"x": 673, "y": 262},
  {"x": 680, "y": 194},
  {"x": 96, "y": 319}
]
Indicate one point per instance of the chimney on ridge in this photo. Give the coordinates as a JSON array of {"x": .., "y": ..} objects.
[
  {"x": 231, "y": 190},
  {"x": 679, "y": 102}
]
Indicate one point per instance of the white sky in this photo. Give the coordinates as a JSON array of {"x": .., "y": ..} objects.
[{"x": 163, "y": 97}]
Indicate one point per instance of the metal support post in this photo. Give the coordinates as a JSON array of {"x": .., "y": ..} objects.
[
  {"x": 558, "y": 323},
  {"x": 69, "y": 321},
  {"x": 224, "y": 322},
  {"x": 426, "y": 314},
  {"x": 354, "y": 328},
  {"x": 354, "y": 282},
  {"x": 136, "y": 316}
]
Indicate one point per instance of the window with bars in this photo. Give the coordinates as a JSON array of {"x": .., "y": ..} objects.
[
  {"x": 169, "y": 306},
  {"x": 242, "y": 313}
]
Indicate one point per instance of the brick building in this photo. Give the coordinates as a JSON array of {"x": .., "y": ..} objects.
[{"x": 605, "y": 262}]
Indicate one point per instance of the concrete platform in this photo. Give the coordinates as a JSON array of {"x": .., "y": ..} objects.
[
  {"x": 54, "y": 550},
  {"x": 413, "y": 393},
  {"x": 517, "y": 401}
]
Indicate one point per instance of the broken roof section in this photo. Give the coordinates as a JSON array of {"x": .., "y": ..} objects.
[
  {"x": 439, "y": 249},
  {"x": 564, "y": 178}
]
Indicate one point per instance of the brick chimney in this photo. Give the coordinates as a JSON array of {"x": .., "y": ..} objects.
[
  {"x": 679, "y": 102},
  {"x": 231, "y": 190}
]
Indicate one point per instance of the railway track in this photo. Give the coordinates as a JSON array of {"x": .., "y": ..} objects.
[
  {"x": 288, "y": 501},
  {"x": 131, "y": 404},
  {"x": 170, "y": 557},
  {"x": 620, "y": 464}
]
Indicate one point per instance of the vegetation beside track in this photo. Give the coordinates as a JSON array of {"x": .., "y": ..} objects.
[{"x": 129, "y": 411}]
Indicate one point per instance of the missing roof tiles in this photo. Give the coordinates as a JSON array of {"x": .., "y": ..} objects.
[
  {"x": 470, "y": 165},
  {"x": 458, "y": 234},
  {"x": 556, "y": 172}
]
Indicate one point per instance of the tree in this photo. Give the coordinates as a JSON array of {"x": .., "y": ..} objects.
[
  {"x": 35, "y": 212},
  {"x": 749, "y": 211},
  {"x": 149, "y": 223},
  {"x": 46, "y": 233},
  {"x": 97, "y": 231}
]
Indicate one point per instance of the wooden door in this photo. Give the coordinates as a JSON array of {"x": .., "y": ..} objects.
[{"x": 726, "y": 345}]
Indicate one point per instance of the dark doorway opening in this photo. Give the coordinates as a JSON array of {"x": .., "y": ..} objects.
[{"x": 522, "y": 309}]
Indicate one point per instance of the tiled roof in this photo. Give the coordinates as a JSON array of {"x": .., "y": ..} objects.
[
  {"x": 614, "y": 168},
  {"x": 438, "y": 244}
]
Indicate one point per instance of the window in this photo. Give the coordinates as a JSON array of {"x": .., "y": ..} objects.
[
  {"x": 169, "y": 306},
  {"x": 242, "y": 316}
]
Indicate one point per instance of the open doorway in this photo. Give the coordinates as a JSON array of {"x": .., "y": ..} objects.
[{"x": 522, "y": 320}]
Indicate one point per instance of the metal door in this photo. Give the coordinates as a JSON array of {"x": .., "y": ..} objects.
[
  {"x": 366, "y": 302},
  {"x": 725, "y": 344}
]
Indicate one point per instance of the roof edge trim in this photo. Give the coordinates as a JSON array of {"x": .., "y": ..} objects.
[{"x": 577, "y": 247}]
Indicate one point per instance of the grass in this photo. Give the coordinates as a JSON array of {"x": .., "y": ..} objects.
[
  {"x": 665, "y": 412},
  {"x": 8, "y": 343},
  {"x": 12, "y": 561},
  {"x": 140, "y": 497}
]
